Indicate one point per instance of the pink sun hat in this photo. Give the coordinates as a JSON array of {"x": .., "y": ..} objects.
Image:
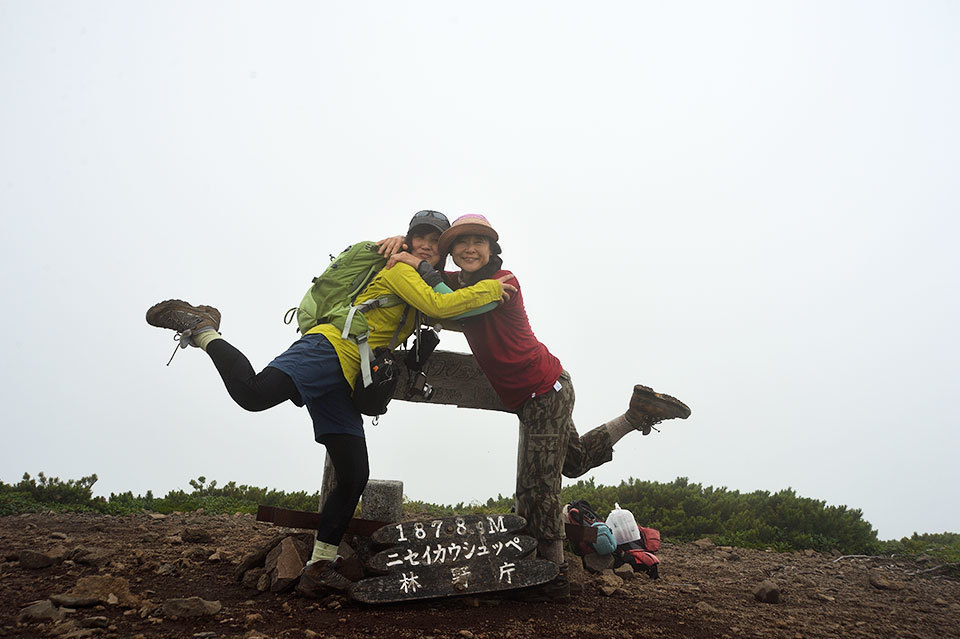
[{"x": 470, "y": 224}]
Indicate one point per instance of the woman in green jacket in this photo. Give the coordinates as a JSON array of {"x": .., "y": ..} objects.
[{"x": 319, "y": 369}]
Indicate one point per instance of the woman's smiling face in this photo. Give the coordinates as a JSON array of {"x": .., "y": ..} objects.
[{"x": 471, "y": 252}]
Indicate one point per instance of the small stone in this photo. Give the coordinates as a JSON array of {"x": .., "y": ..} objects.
[
  {"x": 466, "y": 633},
  {"x": 284, "y": 564},
  {"x": 33, "y": 560},
  {"x": 65, "y": 628},
  {"x": 59, "y": 553},
  {"x": 879, "y": 580},
  {"x": 93, "y": 556},
  {"x": 58, "y": 535},
  {"x": 98, "y": 589},
  {"x": 205, "y": 635},
  {"x": 43, "y": 610},
  {"x": 94, "y": 622},
  {"x": 190, "y": 607},
  {"x": 704, "y": 544},
  {"x": 822, "y": 597},
  {"x": 625, "y": 572},
  {"x": 767, "y": 592},
  {"x": 598, "y": 563},
  {"x": 609, "y": 583},
  {"x": 196, "y": 535},
  {"x": 706, "y": 608},
  {"x": 253, "y": 618},
  {"x": 252, "y": 576},
  {"x": 940, "y": 601}
]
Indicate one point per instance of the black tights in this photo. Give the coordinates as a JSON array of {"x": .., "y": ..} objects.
[
  {"x": 349, "y": 456},
  {"x": 252, "y": 391},
  {"x": 271, "y": 386}
]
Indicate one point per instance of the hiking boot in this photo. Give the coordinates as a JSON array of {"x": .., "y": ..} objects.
[
  {"x": 182, "y": 317},
  {"x": 557, "y": 590},
  {"x": 187, "y": 320},
  {"x": 317, "y": 579},
  {"x": 648, "y": 408}
]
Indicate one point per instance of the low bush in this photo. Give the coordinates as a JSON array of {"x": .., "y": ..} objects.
[{"x": 681, "y": 510}]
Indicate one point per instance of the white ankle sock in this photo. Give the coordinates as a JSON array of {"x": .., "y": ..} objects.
[
  {"x": 203, "y": 338},
  {"x": 618, "y": 427},
  {"x": 323, "y": 551}
]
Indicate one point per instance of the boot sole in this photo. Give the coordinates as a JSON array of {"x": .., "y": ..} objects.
[{"x": 661, "y": 405}]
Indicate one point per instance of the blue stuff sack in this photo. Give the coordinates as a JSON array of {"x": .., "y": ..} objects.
[{"x": 605, "y": 543}]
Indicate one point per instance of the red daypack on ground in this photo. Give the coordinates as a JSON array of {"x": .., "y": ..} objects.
[
  {"x": 639, "y": 554},
  {"x": 650, "y": 538}
]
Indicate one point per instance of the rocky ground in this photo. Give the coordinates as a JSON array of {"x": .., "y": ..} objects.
[{"x": 148, "y": 576}]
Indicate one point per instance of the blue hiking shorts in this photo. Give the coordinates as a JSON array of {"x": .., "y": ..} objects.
[{"x": 312, "y": 363}]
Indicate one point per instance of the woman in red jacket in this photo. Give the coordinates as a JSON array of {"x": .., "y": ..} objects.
[{"x": 531, "y": 381}]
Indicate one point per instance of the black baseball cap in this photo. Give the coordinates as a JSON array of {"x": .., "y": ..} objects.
[{"x": 434, "y": 219}]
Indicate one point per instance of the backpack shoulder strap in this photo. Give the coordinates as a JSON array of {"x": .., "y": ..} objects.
[{"x": 382, "y": 301}]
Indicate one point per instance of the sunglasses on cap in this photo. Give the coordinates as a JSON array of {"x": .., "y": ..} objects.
[
  {"x": 435, "y": 215},
  {"x": 434, "y": 219}
]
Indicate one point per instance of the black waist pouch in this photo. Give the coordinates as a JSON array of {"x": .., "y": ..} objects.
[{"x": 372, "y": 400}]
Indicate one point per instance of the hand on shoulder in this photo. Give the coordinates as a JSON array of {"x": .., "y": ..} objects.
[{"x": 508, "y": 289}]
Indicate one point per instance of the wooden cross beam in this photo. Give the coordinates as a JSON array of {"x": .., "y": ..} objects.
[
  {"x": 457, "y": 381},
  {"x": 310, "y": 520}
]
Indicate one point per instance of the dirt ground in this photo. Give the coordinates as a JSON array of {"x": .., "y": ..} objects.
[{"x": 704, "y": 591}]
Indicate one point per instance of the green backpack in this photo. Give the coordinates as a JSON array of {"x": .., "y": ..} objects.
[{"x": 330, "y": 300}]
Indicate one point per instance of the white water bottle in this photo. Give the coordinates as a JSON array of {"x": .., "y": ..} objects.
[{"x": 623, "y": 525}]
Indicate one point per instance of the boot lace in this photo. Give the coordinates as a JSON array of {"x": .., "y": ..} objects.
[{"x": 183, "y": 340}]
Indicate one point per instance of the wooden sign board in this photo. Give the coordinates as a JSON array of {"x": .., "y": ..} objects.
[
  {"x": 452, "y": 556},
  {"x": 457, "y": 381},
  {"x": 484, "y": 574},
  {"x": 448, "y": 528},
  {"x": 452, "y": 552}
]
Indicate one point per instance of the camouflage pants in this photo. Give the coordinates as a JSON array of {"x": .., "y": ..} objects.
[{"x": 549, "y": 446}]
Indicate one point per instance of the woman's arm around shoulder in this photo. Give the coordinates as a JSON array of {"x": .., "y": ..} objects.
[{"x": 406, "y": 282}]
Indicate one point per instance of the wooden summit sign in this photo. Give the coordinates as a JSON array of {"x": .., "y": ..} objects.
[
  {"x": 457, "y": 381},
  {"x": 452, "y": 556}
]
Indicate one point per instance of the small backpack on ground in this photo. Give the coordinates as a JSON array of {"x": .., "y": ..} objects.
[
  {"x": 639, "y": 560},
  {"x": 331, "y": 300},
  {"x": 581, "y": 513},
  {"x": 639, "y": 554}
]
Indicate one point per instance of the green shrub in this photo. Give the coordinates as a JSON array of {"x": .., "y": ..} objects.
[
  {"x": 943, "y": 546},
  {"x": 681, "y": 510}
]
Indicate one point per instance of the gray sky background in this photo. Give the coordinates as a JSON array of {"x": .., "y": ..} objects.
[{"x": 749, "y": 205}]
